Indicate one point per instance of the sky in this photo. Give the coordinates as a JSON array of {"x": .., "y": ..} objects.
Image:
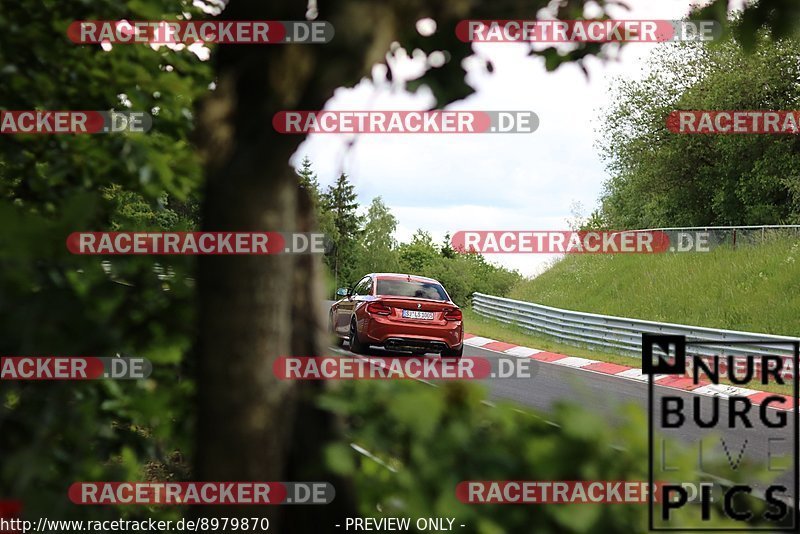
[{"x": 444, "y": 183}]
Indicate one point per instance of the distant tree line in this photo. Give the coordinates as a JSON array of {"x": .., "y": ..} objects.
[{"x": 365, "y": 243}]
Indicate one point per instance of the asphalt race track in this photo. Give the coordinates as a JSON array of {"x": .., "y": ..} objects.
[{"x": 604, "y": 394}]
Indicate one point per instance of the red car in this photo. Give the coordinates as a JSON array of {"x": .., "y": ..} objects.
[{"x": 398, "y": 312}]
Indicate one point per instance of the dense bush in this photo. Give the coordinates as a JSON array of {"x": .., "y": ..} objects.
[
  {"x": 661, "y": 179},
  {"x": 421, "y": 441}
]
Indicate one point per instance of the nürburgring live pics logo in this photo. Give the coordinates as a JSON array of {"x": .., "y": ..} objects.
[{"x": 733, "y": 414}]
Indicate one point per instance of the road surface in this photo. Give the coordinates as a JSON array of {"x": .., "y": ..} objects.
[{"x": 604, "y": 394}]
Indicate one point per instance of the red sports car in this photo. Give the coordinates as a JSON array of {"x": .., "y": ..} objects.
[{"x": 398, "y": 312}]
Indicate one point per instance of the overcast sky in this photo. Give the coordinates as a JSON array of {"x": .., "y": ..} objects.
[{"x": 446, "y": 183}]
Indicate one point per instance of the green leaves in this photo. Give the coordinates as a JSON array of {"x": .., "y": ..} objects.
[
  {"x": 661, "y": 178},
  {"x": 340, "y": 459},
  {"x": 54, "y": 303},
  {"x": 415, "y": 443}
]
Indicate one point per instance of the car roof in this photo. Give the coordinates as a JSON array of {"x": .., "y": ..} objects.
[{"x": 413, "y": 277}]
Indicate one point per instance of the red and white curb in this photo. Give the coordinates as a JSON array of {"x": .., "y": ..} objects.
[{"x": 682, "y": 383}]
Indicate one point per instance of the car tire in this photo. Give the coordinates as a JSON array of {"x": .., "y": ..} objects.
[
  {"x": 355, "y": 345},
  {"x": 453, "y": 353}
]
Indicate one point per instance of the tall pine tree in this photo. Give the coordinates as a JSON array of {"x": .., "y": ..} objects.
[
  {"x": 308, "y": 180},
  {"x": 340, "y": 201}
]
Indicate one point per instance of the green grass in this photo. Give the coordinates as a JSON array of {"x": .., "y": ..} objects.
[{"x": 752, "y": 288}]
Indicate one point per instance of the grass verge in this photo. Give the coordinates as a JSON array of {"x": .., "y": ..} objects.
[{"x": 750, "y": 288}]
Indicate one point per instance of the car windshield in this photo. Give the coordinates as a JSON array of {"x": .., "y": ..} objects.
[{"x": 405, "y": 288}]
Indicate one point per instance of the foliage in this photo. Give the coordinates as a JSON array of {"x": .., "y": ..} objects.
[
  {"x": 339, "y": 201},
  {"x": 309, "y": 183},
  {"x": 133, "y": 212},
  {"x": 52, "y": 303},
  {"x": 422, "y": 441},
  {"x": 663, "y": 179},
  {"x": 377, "y": 245}
]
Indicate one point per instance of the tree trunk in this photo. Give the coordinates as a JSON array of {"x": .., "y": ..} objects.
[{"x": 252, "y": 309}]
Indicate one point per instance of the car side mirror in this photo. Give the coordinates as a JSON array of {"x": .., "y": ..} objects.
[{"x": 343, "y": 292}]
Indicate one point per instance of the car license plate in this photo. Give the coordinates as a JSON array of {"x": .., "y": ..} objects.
[{"x": 416, "y": 314}]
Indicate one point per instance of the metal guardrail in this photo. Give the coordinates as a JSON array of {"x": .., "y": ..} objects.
[{"x": 619, "y": 334}]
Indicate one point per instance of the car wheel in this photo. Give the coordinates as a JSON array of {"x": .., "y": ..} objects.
[
  {"x": 355, "y": 345},
  {"x": 337, "y": 341},
  {"x": 453, "y": 353}
]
